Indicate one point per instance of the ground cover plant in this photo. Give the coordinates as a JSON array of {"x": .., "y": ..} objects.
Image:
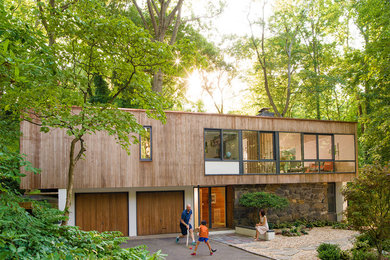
[{"x": 36, "y": 234}]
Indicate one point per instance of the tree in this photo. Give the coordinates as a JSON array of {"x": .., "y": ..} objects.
[
  {"x": 369, "y": 203},
  {"x": 163, "y": 19},
  {"x": 88, "y": 41}
]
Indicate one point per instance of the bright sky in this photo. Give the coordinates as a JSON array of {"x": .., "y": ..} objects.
[{"x": 232, "y": 21}]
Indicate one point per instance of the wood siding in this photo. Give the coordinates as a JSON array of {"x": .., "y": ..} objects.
[
  {"x": 103, "y": 212},
  {"x": 159, "y": 212},
  {"x": 177, "y": 148}
]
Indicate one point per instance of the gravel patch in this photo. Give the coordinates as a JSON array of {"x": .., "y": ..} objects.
[{"x": 302, "y": 247}]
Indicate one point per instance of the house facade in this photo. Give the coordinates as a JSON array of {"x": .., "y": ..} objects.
[{"x": 206, "y": 160}]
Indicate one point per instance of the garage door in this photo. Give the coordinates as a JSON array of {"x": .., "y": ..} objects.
[
  {"x": 159, "y": 212},
  {"x": 102, "y": 212}
]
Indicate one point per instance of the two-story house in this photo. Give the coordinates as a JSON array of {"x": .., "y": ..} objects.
[{"x": 206, "y": 160}]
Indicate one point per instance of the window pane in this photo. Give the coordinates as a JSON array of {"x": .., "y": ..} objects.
[
  {"x": 230, "y": 145},
  {"x": 290, "y": 146},
  {"x": 344, "y": 147},
  {"x": 250, "y": 145},
  {"x": 325, "y": 146},
  {"x": 345, "y": 166},
  {"x": 146, "y": 148},
  {"x": 310, "y": 167},
  {"x": 326, "y": 166},
  {"x": 212, "y": 144},
  {"x": 266, "y": 146},
  {"x": 290, "y": 167},
  {"x": 259, "y": 167},
  {"x": 310, "y": 147}
]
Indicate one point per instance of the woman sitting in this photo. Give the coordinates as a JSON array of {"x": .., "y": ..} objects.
[{"x": 262, "y": 226}]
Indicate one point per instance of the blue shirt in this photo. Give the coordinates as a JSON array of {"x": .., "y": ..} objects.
[{"x": 185, "y": 216}]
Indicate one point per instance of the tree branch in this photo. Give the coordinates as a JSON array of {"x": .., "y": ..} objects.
[{"x": 140, "y": 13}]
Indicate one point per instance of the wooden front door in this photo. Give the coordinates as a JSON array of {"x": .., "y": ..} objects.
[
  {"x": 159, "y": 212},
  {"x": 102, "y": 212}
]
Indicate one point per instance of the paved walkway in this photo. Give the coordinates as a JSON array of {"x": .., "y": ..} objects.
[{"x": 180, "y": 251}]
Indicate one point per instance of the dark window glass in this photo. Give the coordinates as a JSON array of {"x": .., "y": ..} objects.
[
  {"x": 290, "y": 146},
  {"x": 259, "y": 167},
  {"x": 331, "y": 197},
  {"x": 344, "y": 147},
  {"x": 212, "y": 144},
  {"x": 250, "y": 145},
  {"x": 230, "y": 145},
  {"x": 146, "y": 144},
  {"x": 310, "y": 147},
  {"x": 291, "y": 167},
  {"x": 325, "y": 147},
  {"x": 266, "y": 146}
]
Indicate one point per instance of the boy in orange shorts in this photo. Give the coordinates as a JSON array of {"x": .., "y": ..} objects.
[{"x": 203, "y": 237}]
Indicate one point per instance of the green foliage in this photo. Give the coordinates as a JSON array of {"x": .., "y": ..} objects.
[
  {"x": 262, "y": 200},
  {"x": 369, "y": 203},
  {"x": 38, "y": 236},
  {"x": 295, "y": 231},
  {"x": 329, "y": 252},
  {"x": 10, "y": 165}
]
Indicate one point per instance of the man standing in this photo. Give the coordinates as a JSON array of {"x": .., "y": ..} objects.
[{"x": 185, "y": 225}]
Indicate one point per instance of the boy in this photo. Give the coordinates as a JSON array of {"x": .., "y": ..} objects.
[{"x": 203, "y": 237}]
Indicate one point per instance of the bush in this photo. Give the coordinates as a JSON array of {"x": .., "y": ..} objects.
[
  {"x": 38, "y": 235},
  {"x": 262, "y": 200},
  {"x": 363, "y": 255},
  {"x": 329, "y": 252},
  {"x": 294, "y": 231}
]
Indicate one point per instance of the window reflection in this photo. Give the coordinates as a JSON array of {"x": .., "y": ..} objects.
[
  {"x": 290, "y": 146},
  {"x": 230, "y": 145},
  {"x": 212, "y": 144}
]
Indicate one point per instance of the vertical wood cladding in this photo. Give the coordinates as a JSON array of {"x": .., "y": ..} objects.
[{"x": 178, "y": 155}]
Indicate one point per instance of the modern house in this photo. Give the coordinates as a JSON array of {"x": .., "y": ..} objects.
[{"x": 206, "y": 160}]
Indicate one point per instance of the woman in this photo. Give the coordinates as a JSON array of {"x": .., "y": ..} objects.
[{"x": 262, "y": 226}]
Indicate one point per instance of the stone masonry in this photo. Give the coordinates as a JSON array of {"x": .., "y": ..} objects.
[{"x": 307, "y": 201}]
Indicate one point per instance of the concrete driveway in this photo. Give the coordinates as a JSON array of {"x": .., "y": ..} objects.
[{"x": 180, "y": 251}]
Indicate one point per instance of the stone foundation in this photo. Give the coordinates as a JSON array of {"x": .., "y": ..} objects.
[{"x": 307, "y": 200}]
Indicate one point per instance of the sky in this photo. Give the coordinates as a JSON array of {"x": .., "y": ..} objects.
[{"x": 233, "y": 20}]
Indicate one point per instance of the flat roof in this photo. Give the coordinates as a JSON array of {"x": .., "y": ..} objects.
[{"x": 236, "y": 115}]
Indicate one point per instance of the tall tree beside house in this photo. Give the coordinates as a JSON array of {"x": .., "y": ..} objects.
[{"x": 80, "y": 40}]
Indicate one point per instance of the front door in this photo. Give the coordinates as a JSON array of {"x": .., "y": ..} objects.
[{"x": 213, "y": 206}]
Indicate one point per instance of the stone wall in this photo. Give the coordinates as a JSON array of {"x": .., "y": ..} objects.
[{"x": 307, "y": 200}]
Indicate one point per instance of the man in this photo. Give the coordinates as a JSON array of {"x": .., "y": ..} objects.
[{"x": 185, "y": 225}]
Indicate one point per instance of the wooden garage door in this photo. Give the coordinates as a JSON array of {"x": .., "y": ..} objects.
[
  {"x": 159, "y": 212},
  {"x": 102, "y": 212}
]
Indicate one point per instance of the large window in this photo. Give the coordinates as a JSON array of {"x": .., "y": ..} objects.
[
  {"x": 344, "y": 150},
  {"x": 317, "y": 153},
  {"x": 230, "y": 145},
  {"x": 290, "y": 149},
  {"x": 258, "y": 152},
  {"x": 212, "y": 144},
  {"x": 146, "y": 144}
]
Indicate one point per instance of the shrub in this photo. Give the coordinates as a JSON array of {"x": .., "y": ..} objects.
[
  {"x": 329, "y": 252},
  {"x": 369, "y": 203},
  {"x": 262, "y": 200},
  {"x": 363, "y": 255}
]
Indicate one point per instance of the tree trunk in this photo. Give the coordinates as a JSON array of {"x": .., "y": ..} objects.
[
  {"x": 157, "y": 81},
  {"x": 72, "y": 163},
  {"x": 69, "y": 188}
]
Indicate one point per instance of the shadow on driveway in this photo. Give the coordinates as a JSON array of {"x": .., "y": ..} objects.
[{"x": 180, "y": 251}]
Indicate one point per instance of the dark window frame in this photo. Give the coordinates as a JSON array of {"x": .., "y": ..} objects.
[
  {"x": 151, "y": 146},
  {"x": 276, "y": 151}
]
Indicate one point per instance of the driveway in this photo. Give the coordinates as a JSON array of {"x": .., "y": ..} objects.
[{"x": 180, "y": 251}]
